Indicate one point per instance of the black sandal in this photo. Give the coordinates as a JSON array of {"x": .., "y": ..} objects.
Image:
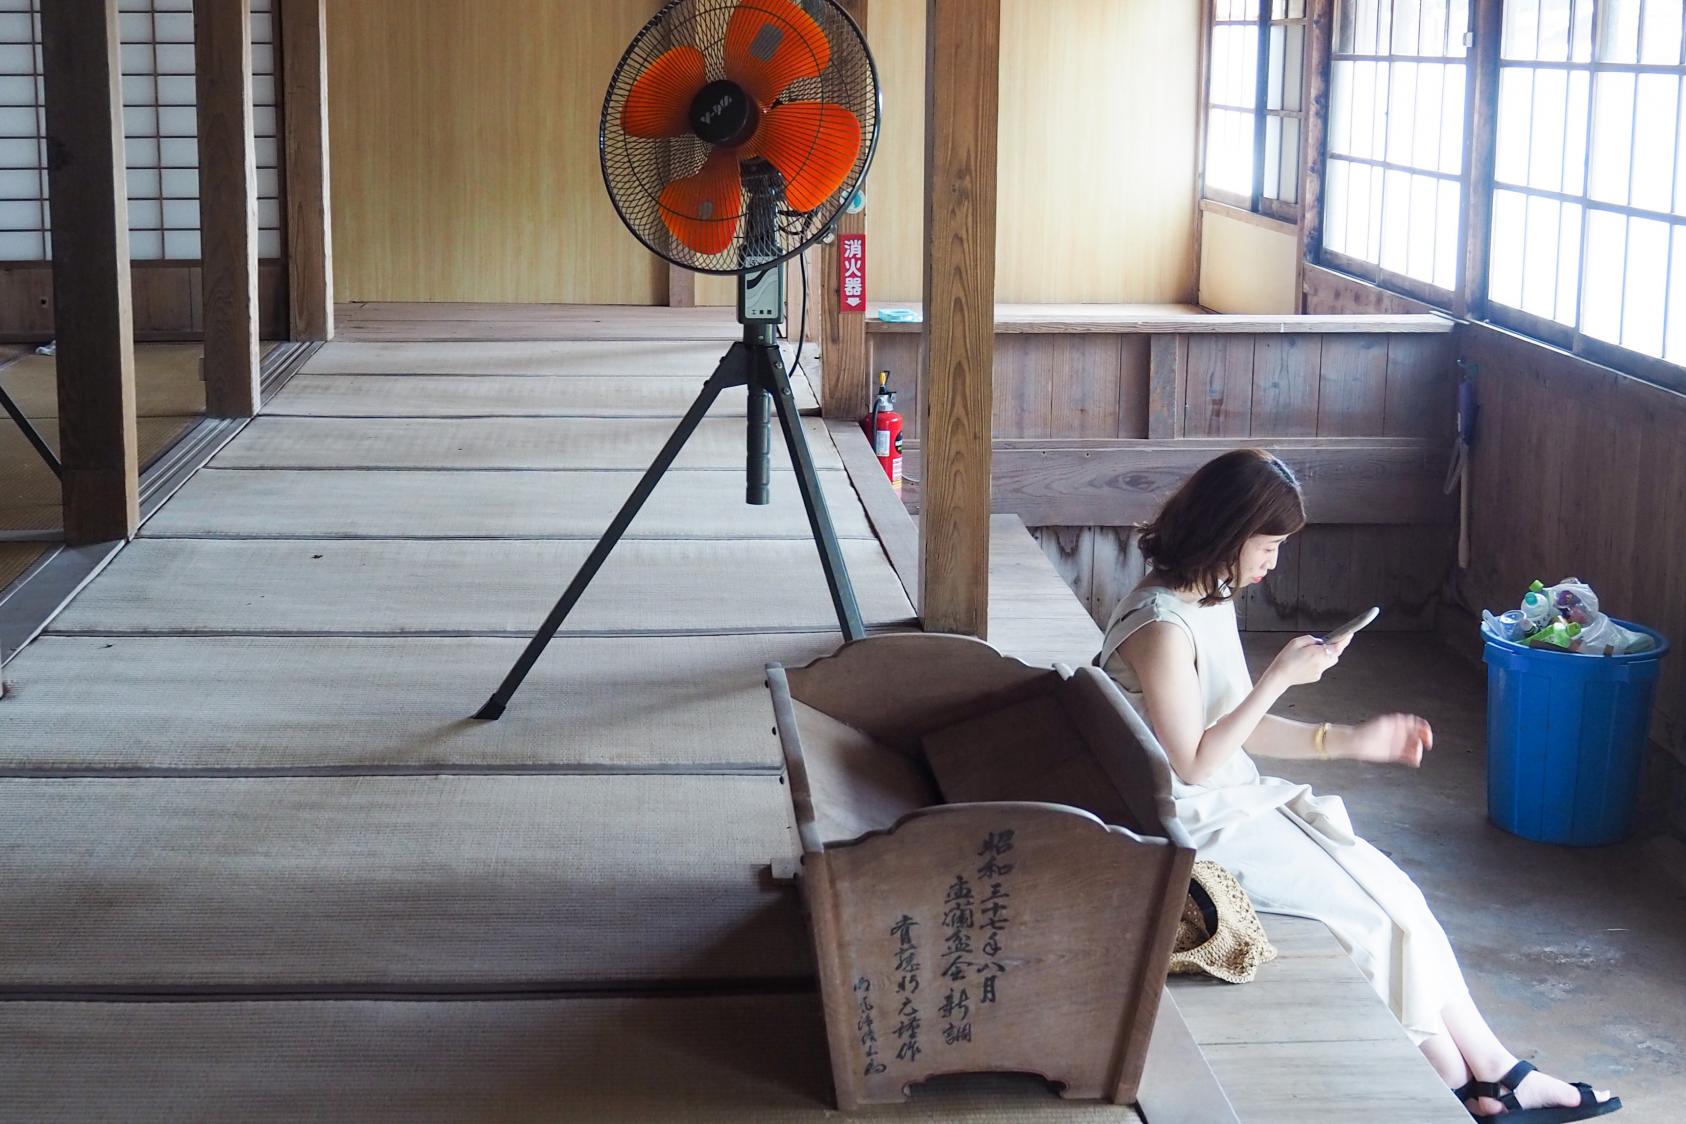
[{"x": 1514, "y": 1113}]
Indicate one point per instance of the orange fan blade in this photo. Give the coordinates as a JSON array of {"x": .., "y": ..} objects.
[
  {"x": 659, "y": 104},
  {"x": 772, "y": 43},
  {"x": 702, "y": 210},
  {"x": 813, "y": 145}
]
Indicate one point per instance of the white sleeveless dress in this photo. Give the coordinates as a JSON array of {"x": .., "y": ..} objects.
[{"x": 1293, "y": 851}]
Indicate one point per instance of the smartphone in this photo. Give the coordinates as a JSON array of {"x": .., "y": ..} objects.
[{"x": 1353, "y": 625}]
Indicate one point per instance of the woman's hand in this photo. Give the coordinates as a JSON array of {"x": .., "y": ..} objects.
[
  {"x": 1389, "y": 739},
  {"x": 1304, "y": 660}
]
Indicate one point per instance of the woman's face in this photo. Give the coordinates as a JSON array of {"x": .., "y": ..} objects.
[{"x": 1258, "y": 558}]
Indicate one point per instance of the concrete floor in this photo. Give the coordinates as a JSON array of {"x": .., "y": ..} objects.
[{"x": 1576, "y": 956}]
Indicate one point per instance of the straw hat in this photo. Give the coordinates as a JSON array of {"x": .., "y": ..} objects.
[{"x": 1219, "y": 934}]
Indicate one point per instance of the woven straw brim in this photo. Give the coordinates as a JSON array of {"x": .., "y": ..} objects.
[{"x": 1234, "y": 952}]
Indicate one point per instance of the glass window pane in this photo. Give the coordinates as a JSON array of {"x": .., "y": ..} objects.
[
  {"x": 1420, "y": 235},
  {"x": 1574, "y": 132},
  {"x": 1384, "y": 24},
  {"x": 1521, "y": 29},
  {"x": 1425, "y": 144},
  {"x": 1396, "y": 221},
  {"x": 1612, "y": 135},
  {"x": 1446, "y": 236},
  {"x": 1616, "y": 37},
  {"x": 1229, "y": 151},
  {"x": 1402, "y": 109},
  {"x": 1580, "y": 48},
  {"x": 1539, "y": 256},
  {"x": 1346, "y": 16},
  {"x": 1555, "y": 20},
  {"x": 1365, "y": 137},
  {"x": 1659, "y": 34},
  {"x": 1647, "y": 279},
  {"x": 1432, "y": 23},
  {"x": 1653, "y": 142},
  {"x": 1405, "y": 29},
  {"x": 1289, "y": 190},
  {"x": 1457, "y": 25},
  {"x": 1674, "y": 342},
  {"x": 1452, "y": 119},
  {"x": 1516, "y": 95},
  {"x": 1273, "y": 83},
  {"x": 1568, "y": 263},
  {"x": 1293, "y": 74},
  {"x": 1364, "y": 28},
  {"x": 1340, "y": 106},
  {"x": 1336, "y": 193},
  {"x": 1378, "y": 111},
  {"x": 1601, "y": 283},
  {"x": 1545, "y": 158},
  {"x": 1272, "y": 156},
  {"x": 1504, "y": 269}
]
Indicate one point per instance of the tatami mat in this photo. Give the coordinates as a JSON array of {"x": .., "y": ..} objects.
[
  {"x": 423, "y": 883},
  {"x": 334, "y": 504},
  {"x": 474, "y": 587},
  {"x": 456, "y": 396},
  {"x": 337, "y": 703},
  {"x": 643, "y": 357},
  {"x": 30, "y": 496},
  {"x": 509, "y": 443},
  {"x": 717, "y": 1060},
  {"x": 17, "y": 557}
]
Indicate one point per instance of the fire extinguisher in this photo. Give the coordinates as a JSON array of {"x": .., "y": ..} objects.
[{"x": 884, "y": 427}]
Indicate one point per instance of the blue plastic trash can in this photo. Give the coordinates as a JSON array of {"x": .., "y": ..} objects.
[{"x": 1566, "y": 737}]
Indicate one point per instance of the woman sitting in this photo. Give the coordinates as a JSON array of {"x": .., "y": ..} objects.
[{"x": 1174, "y": 648}]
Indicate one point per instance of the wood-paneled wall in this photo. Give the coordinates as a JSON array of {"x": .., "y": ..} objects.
[
  {"x": 1366, "y": 417},
  {"x": 1579, "y": 470},
  {"x": 464, "y": 137},
  {"x": 1096, "y": 154}
]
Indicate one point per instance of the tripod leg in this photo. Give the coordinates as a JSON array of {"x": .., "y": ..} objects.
[
  {"x": 807, "y": 481},
  {"x": 732, "y": 371}
]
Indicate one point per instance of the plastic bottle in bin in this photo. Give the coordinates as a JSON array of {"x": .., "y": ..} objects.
[{"x": 1537, "y": 612}]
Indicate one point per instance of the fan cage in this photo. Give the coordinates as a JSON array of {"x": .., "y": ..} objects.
[{"x": 635, "y": 169}]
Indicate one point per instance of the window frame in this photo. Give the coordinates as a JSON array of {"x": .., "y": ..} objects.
[
  {"x": 1469, "y": 299},
  {"x": 1257, "y": 201}
]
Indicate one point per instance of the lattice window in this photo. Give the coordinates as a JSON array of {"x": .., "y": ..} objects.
[
  {"x": 159, "y": 131},
  {"x": 1589, "y": 198},
  {"x": 1395, "y": 166},
  {"x": 1254, "y": 92}
]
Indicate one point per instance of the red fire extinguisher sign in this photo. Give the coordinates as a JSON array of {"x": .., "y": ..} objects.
[{"x": 851, "y": 270}]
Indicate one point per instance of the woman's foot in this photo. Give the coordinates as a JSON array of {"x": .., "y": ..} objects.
[{"x": 1532, "y": 1090}]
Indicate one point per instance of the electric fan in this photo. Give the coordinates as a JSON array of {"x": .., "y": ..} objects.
[{"x": 732, "y": 136}]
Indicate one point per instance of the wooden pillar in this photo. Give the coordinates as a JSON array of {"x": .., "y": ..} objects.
[
  {"x": 304, "y": 108},
  {"x": 846, "y": 383},
  {"x": 1481, "y": 112},
  {"x": 91, "y": 297},
  {"x": 228, "y": 205},
  {"x": 1314, "y": 127},
  {"x": 681, "y": 287},
  {"x": 962, "y": 59}
]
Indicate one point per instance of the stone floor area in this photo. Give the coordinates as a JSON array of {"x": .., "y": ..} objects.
[{"x": 1577, "y": 956}]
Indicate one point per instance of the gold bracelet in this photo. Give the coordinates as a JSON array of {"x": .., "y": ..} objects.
[{"x": 1319, "y": 742}]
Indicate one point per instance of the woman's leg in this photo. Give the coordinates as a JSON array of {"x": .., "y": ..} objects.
[{"x": 1487, "y": 1059}]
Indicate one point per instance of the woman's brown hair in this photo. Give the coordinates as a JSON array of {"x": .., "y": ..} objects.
[{"x": 1195, "y": 542}]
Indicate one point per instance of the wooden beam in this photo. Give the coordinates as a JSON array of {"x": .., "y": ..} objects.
[
  {"x": 1167, "y": 386},
  {"x": 304, "y": 108},
  {"x": 1118, "y": 483},
  {"x": 93, "y": 318},
  {"x": 962, "y": 78},
  {"x": 228, "y": 205},
  {"x": 846, "y": 381}
]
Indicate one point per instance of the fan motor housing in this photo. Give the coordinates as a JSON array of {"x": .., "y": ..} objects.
[{"x": 724, "y": 114}]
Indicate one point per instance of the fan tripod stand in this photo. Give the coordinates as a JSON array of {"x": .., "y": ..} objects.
[{"x": 754, "y": 362}]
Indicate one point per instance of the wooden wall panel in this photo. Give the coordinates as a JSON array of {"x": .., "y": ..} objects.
[
  {"x": 1286, "y": 373},
  {"x": 1352, "y": 385},
  {"x": 1219, "y": 399},
  {"x": 464, "y": 139},
  {"x": 1247, "y": 265},
  {"x": 1096, "y": 164},
  {"x": 1579, "y": 470},
  {"x": 168, "y": 302}
]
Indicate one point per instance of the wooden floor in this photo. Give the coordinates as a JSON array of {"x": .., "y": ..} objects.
[{"x": 260, "y": 865}]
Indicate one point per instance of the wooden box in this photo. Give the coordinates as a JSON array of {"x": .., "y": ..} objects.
[{"x": 990, "y": 863}]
